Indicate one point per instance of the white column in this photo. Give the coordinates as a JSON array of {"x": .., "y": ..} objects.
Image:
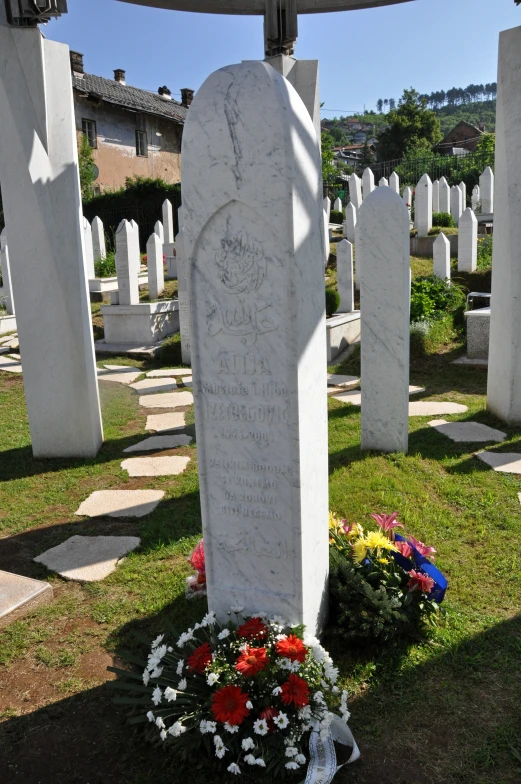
[
  {"x": 385, "y": 290},
  {"x": 183, "y": 294},
  {"x": 444, "y": 196},
  {"x": 7, "y": 289},
  {"x": 476, "y": 198},
  {"x": 394, "y": 183},
  {"x": 384, "y": 182},
  {"x": 368, "y": 185},
  {"x": 355, "y": 191},
  {"x": 423, "y": 206},
  {"x": 243, "y": 195},
  {"x": 338, "y": 205},
  {"x": 156, "y": 274},
  {"x": 407, "y": 198},
  {"x": 127, "y": 268},
  {"x": 42, "y": 206},
  {"x": 456, "y": 203},
  {"x": 467, "y": 242},
  {"x": 441, "y": 253},
  {"x": 350, "y": 222},
  {"x": 486, "y": 186},
  {"x": 327, "y": 245},
  {"x": 463, "y": 189},
  {"x": 436, "y": 196},
  {"x": 98, "y": 239},
  {"x": 345, "y": 279},
  {"x": 89, "y": 250},
  {"x": 159, "y": 230},
  {"x": 168, "y": 222}
]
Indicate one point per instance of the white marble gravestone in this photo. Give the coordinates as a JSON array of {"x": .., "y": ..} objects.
[
  {"x": 463, "y": 189},
  {"x": 127, "y": 269},
  {"x": 436, "y": 196},
  {"x": 468, "y": 242},
  {"x": 444, "y": 196},
  {"x": 486, "y": 186},
  {"x": 394, "y": 182},
  {"x": 327, "y": 235},
  {"x": 355, "y": 191},
  {"x": 159, "y": 230},
  {"x": 345, "y": 279},
  {"x": 327, "y": 208},
  {"x": 168, "y": 222},
  {"x": 156, "y": 274},
  {"x": 423, "y": 206},
  {"x": 7, "y": 289},
  {"x": 253, "y": 232},
  {"x": 98, "y": 239},
  {"x": 385, "y": 285},
  {"x": 42, "y": 206},
  {"x": 383, "y": 182},
  {"x": 456, "y": 203},
  {"x": 407, "y": 198},
  {"x": 350, "y": 222},
  {"x": 338, "y": 204},
  {"x": 368, "y": 185},
  {"x": 89, "y": 249},
  {"x": 183, "y": 294},
  {"x": 441, "y": 254},
  {"x": 476, "y": 198}
]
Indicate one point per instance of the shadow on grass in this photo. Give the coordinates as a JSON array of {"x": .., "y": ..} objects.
[{"x": 454, "y": 719}]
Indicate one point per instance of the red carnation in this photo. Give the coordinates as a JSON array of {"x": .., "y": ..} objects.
[
  {"x": 296, "y": 691},
  {"x": 291, "y": 647},
  {"x": 229, "y": 705},
  {"x": 268, "y": 714},
  {"x": 200, "y": 658},
  {"x": 197, "y": 559},
  {"x": 253, "y": 629},
  {"x": 420, "y": 582},
  {"x": 252, "y": 661}
]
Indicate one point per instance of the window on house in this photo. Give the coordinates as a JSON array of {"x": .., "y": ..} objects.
[
  {"x": 89, "y": 130},
  {"x": 141, "y": 144}
]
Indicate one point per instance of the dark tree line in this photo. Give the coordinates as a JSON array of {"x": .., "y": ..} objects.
[{"x": 453, "y": 97}]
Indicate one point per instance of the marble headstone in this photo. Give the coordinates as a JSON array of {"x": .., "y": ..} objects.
[
  {"x": 436, "y": 196},
  {"x": 394, "y": 182},
  {"x": 98, "y": 239},
  {"x": 441, "y": 253},
  {"x": 383, "y": 182},
  {"x": 368, "y": 185},
  {"x": 159, "y": 230},
  {"x": 486, "y": 186},
  {"x": 350, "y": 222},
  {"x": 476, "y": 198},
  {"x": 468, "y": 242},
  {"x": 127, "y": 269},
  {"x": 345, "y": 279},
  {"x": 407, "y": 198},
  {"x": 183, "y": 295},
  {"x": 355, "y": 191},
  {"x": 338, "y": 204},
  {"x": 156, "y": 273},
  {"x": 89, "y": 250},
  {"x": 7, "y": 289},
  {"x": 423, "y": 206},
  {"x": 444, "y": 196},
  {"x": 456, "y": 203},
  {"x": 463, "y": 189},
  {"x": 168, "y": 222},
  {"x": 327, "y": 207}
]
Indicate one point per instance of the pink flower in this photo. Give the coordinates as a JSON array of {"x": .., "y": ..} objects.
[
  {"x": 197, "y": 559},
  {"x": 427, "y": 552},
  {"x": 404, "y": 548},
  {"x": 420, "y": 582},
  {"x": 387, "y": 522}
]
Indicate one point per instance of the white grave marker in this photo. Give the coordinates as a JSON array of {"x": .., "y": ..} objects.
[
  {"x": 444, "y": 196},
  {"x": 89, "y": 250},
  {"x": 368, "y": 185},
  {"x": 467, "y": 242},
  {"x": 407, "y": 198},
  {"x": 183, "y": 294},
  {"x": 156, "y": 274},
  {"x": 423, "y": 206},
  {"x": 7, "y": 289},
  {"x": 127, "y": 269},
  {"x": 98, "y": 239},
  {"x": 441, "y": 252},
  {"x": 159, "y": 230},
  {"x": 355, "y": 191},
  {"x": 384, "y": 182},
  {"x": 436, "y": 196},
  {"x": 338, "y": 205},
  {"x": 168, "y": 222},
  {"x": 327, "y": 207},
  {"x": 456, "y": 203},
  {"x": 345, "y": 279},
  {"x": 394, "y": 183},
  {"x": 350, "y": 222},
  {"x": 486, "y": 186},
  {"x": 476, "y": 198},
  {"x": 463, "y": 189}
]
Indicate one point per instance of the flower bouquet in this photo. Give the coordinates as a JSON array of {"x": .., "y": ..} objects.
[
  {"x": 252, "y": 695},
  {"x": 381, "y": 583},
  {"x": 196, "y": 583}
]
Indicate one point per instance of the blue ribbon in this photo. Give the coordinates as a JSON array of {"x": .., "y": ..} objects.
[{"x": 425, "y": 566}]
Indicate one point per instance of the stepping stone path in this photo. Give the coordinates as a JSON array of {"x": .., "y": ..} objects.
[
  {"x": 120, "y": 503},
  {"x": 467, "y": 432},
  {"x": 169, "y": 372},
  {"x": 354, "y": 396},
  {"x": 167, "y": 400},
  {"x": 19, "y": 595},
  {"x": 158, "y": 443},
  {"x": 162, "y": 422},
  {"x": 347, "y": 382},
  {"x": 155, "y": 385},
  {"x": 170, "y": 465},
  {"x": 87, "y": 558},
  {"x": 504, "y": 462},
  {"x": 10, "y": 365},
  {"x": 120, "y": 374},
  {"x": 434, "y": 408}
]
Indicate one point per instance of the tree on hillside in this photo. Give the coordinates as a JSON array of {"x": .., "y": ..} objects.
[
  {"x": 386, "y": 102},
  {"x": 411, "y": 127},
  {"x": 328, "y": 167},
  {"x": 392, "y": 103},
  {"x": 380, "y": 105},
  {"x": 367, "y": 156}
]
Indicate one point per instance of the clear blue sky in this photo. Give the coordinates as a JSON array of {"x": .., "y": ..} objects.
[{"x": 364, "y": 55}]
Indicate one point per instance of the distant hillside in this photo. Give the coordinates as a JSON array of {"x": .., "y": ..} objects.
[{"x": 473, "y": 113}]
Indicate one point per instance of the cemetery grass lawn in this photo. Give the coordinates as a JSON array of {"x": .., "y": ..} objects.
[{"x": 445, "y": 710}]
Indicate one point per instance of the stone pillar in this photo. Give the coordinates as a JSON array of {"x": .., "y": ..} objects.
[
  {"x": 394, "y": 183},
  {"x": 89, "y": 250},
  {"x": 385, "y": 291},
  {"x": 436, "y": 196},
  {"x": 467, "y": 242},
  {"x": 384, "y": 182},
  {"x": 7, "y": 289},
  {"x": 168, "y": 222},
  {"x": 486, "y": 186},
  {"x": 327, "y": 243},
  {"x": 338, "y": 205},
  {"x": 156, "y": 273},
  {"x": 423, "y": 206},
  {"x": 407, "y": 198},
  {"x": 159, "y": 230},
  {"x": 476, "y": 198},
  {"x": 463, "y": 189},
  {"x": 441, "y": 253},
  {"x": 42, "y": 206},
  {"x": 98, "y": 239},
  {"x": 504, "y": 361},
  {"x": 345, "y": 279},
  {"x": 183, "y": 295},
  {"x": 456, "y": 203},
  {"x": 327, "y": 207},
  {"x": 254, "y": 194},
  {"x": 127, "y": 268},
  {"x": 444, "y": 196},
  {"x": 355, "y": 191},
  {"x": 368, "y": 185},
  {"x": 350, "y": 222}
]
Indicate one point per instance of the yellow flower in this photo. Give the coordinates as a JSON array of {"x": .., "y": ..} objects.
[
  {"x": 333, "y": 522},
  {"x": 376, "y": 539},
  {"x": 383, "y": 560},
  {"x": 359, "y": 550},
  {"x": 353, "y": 531}
]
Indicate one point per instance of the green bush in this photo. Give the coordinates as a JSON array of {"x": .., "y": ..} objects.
[
  {"x": 448, "y": 231},
  {"x": 106, "y": 268},
  {"x": 432, "y": 298},
  {"x": 170, "y": 353},
  {"x": 443, "y": 219},
  {"x": 332, "y": 301},
  {"x": 485, "y": 252},
  {"x": 428, "y": 337},
  {"x": 336, "y": 216}
]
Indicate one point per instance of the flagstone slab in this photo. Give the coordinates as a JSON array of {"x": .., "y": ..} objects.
[
  {"x": 154, "y": 385},
  {"x": 10, "y": 365},
  {"x": 504, "y": 462},
  {"x": 167, "y": 400},
  {"x": 169, "y": 465},
  {"x": 120, "y": 503},
  {"x": 169, "y": 372},
  {"x": 4, "y": 350},
  {"x": 19, "y": 595},
  {"x": 435, "y": 408},
  {"x": 87, "y": 558},
  {"x": 121, "y": 368},
  {"x": 187, "y": 381},
  {"x": 119, "y": 376},
  {"x": 354, "y": 396},
  {"x": 347, "y": 382},
  {"x": 158, "y": 443},
  {"x": 162, "y": 422},
  {"x": 467, "y": 432}
]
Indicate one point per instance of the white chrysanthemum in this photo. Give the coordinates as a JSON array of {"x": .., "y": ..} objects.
[
  {"x": 247, "y": 744},
  {"x": 249, "y": 705},
  {"x": 231, "y": 728},
  {"x": 249, "y": 759},
  {"x": 160, "y": 723},
  {"x": 156, "y": 673},
  {"x": 209, "y": 619},
  {"x": 291, "y": 751},
  {"x": 224, "y": 634},
  {"x": 300, "y": 758},
  {"x": 260, "y": 762},
  {"x": 207, "y": 727},
  {"x": 318, "y": 696},
  {"x": 150, "y": 716},
  {"x": 277, "y": 690},
  {"x": 177, "y": 729},
  {"x": 335, "y": 690},
  {"x": 163, "y": 734},
  {"x": 161, "y": 652},
  {"x": 157, "y": 695},
  {"x": 220, "y": 748},
  {"x": 181, "y": 686},
  {"x": 260, "y": 727},
  {"x": 212, "y": 679},
  {"x": 291, "y": 765},
  {"x": 278, "y": 621},
  {"x": 184, "y": 638},
  {"x": 237, "y": 608},
  {"x": 305, "y": 713},
  {"x": 281, "y": 721},
  {"x": 170, "y": 649},
  {"x": 157, "y": 641},
  {"x": 233, "y": 768},
  {"x": 146, "y": 677},
  {"x": 170, "y": 694},
  {"x": 180, "y": 665}
]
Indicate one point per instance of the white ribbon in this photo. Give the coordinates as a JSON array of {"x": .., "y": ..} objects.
[{"x": 322, "y": 766}]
